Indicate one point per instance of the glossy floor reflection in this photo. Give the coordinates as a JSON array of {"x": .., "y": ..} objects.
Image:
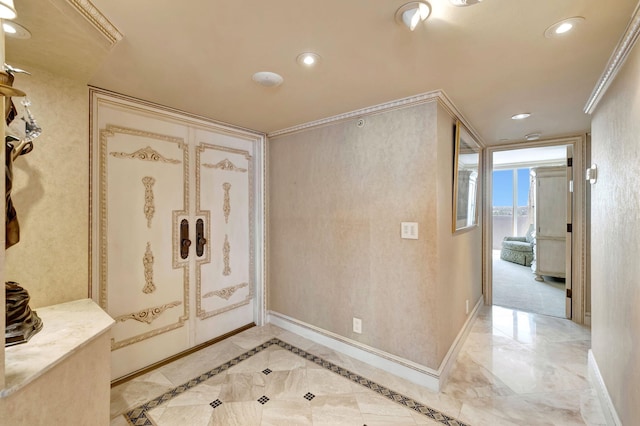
[{"x": 515, "y": 368}]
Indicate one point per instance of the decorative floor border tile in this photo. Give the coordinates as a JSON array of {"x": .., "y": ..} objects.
[{"x": 138, "y": 415}]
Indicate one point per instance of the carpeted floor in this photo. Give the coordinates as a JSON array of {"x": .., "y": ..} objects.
[{"x": 514, "y": 286}]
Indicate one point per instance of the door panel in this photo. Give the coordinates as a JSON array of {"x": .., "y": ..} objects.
[
  {"x": 224, "y": 274},
  {"x": 153, "y": 169},
  {"x": 143, "y": 287}
]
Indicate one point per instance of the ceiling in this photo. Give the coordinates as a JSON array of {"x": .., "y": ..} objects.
[
  {"x": 526, "y": 157},
  {"x": 491, "y": 59}
]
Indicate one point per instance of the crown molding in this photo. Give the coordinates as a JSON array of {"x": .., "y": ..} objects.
[
  {"x": 617, "y": 59},
  {"x": 227, "y": 128},
  {"x": 97, "y": 19},
  {"x": 376, "y": 109},
  {"x": 444, "y": 100},
  {"x": 436, "y": 95}
]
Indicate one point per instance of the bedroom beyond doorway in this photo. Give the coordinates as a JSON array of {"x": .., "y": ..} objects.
[{"x": 528, "y": 229}]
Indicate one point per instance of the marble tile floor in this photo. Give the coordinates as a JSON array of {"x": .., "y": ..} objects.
[{"x": 515, "y": 368}]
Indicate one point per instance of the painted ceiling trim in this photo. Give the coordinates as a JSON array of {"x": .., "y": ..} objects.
[
  {"x": 97, "y": 19},
  {"x": 179, "y": 115},
  {"x": 616, "y": 61},
  {"x": 436, "y": 95}
]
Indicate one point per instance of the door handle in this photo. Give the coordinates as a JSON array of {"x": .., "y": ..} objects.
[
  {"x": 200, "y": 239},
  {"x": 185, "y": 242}
]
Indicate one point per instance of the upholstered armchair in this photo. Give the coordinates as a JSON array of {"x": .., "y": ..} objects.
[{"x": 519, "y": 249}]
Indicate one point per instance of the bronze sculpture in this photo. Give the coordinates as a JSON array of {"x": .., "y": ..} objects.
[{"x": 21, "y": 322}]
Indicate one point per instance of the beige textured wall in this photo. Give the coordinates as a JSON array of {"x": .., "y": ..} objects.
[
  {"x": 615, "y": 239},
  {"x": 459, "y": 255},
  {"x": 337, "y": 196},
  {"x": 51, "y": 193}
]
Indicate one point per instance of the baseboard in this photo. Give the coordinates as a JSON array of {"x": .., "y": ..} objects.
[
  {"x": 398, "y": 366},
  {"x": 155, "y": 365},
  {"x": 587, "y": 319},
  {"x": 452, "y": 354},
  {"x": 608, "y": 409}
]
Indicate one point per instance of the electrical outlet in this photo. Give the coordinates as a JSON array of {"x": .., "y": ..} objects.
[
  {"x": 357, "y": 325},
  {"x": 467, "y": 307}
]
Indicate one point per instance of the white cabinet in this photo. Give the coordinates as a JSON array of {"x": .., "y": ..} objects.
[
  {"x": 175, "y": 204},
  {"x": 550, "y": 198}
]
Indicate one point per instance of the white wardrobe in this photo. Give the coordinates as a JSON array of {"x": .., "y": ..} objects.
[
  {"x": 176, "y": 208},
  {"x": 550, "y": 209}
]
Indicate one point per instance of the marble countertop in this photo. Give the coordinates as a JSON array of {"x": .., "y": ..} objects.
[{"x": 67, "y": 327}]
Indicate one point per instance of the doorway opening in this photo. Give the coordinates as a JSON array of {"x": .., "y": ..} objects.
[{"x": 531, "y": 205}]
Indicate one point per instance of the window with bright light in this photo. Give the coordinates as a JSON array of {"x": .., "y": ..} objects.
[{"x": 512, "y": 211}]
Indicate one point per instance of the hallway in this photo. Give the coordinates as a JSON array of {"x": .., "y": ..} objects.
[{"x": 515, "y": 368}]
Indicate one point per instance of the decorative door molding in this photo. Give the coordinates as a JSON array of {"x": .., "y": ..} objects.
[
  {"x": 147, "y": 263},
  {"x": 142, "y": 159},
  {"x": 149, "y": 206},
  {"x": 226, "y": 216},
  {"x": 148, "y": 315},
  {"x": 145, "y": 154}
]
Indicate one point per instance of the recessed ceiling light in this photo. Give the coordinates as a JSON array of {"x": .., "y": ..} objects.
[
  {"x": 532, "y": 136},
  {"x": 563, "y": 27},
  {"x": 521, "y": 116},
  {"x": 7, "y": 9},
  {"x": 412, "y": 13},
  {"x": 268, "y": 78},
  {"x": 308, "y": 59},
  {"x": 463, "y": 3},
  {"x": 15, "y": 30}
]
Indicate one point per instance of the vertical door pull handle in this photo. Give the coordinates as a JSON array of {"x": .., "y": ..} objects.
[
  {"x": 200, "y": 239},
  {"x": 185, "y": 242}
]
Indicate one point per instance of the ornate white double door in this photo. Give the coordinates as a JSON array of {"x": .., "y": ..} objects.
[{"x": 174, "y": 229}]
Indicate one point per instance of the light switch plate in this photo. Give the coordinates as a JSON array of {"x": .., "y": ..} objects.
[{"x": 409, "y": 230}]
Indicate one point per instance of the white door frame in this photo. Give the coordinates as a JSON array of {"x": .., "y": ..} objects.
[
  {"x": 578, "y": 264},
  {"x": 260, "y": 221}
]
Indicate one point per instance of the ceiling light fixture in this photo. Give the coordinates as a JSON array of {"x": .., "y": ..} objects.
[
  {"x": 6, "y": 26},
  {"x": 463, "y": 3},
  {"x": 7, "y": 9},
  {"x": 532, "y": 136},
  {"x": 521, "y": 116},
  {"x": 308, "y": 59},
  {"x": 412, "y": 13},
  {"x": 268, "y": 78},
  {"x": 15, "y": 30},
  {"x": 563, "y": 27}
]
